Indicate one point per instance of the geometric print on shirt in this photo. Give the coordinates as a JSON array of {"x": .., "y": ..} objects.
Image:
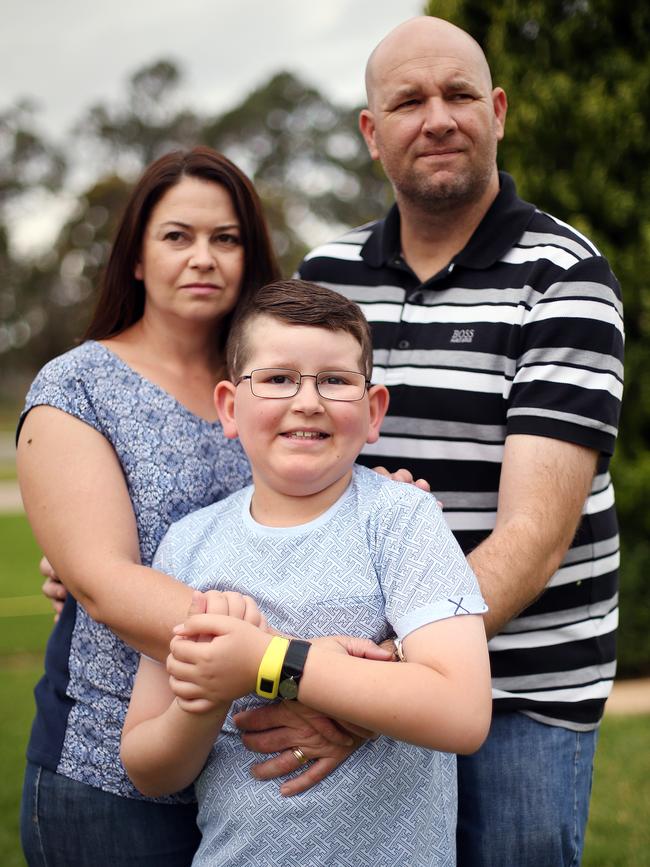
[{"x": 380, "y": 560}]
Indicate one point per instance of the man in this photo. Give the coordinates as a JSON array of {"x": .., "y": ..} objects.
[{"x": 498, "y": 330}]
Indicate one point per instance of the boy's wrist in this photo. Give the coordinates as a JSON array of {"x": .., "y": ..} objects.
[
  {"x": 292, "y": 668},
  {"x": 267, "y": 675},
  {"x": 200, "y": 709}
]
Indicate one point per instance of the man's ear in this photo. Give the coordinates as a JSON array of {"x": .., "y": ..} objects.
[
  {"x": 500, "y": 103},
  {"x": 224, "y": 401},
  {"x": 378, "y": 398},
  {"x": 367, "y": 127}
]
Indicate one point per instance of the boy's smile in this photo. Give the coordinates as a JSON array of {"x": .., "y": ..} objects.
[{"x": 301, "y": 448}]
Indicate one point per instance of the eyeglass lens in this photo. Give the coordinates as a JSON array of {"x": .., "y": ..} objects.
[{"x": 331, "y": 384}]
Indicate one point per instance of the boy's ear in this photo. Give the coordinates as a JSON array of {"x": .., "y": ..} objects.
[
  {"x": 224, "y": 401},
  {"x": 378, "y": 399}
]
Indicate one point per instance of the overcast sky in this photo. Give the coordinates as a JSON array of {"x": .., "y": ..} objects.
[
  {"x": 66, "y": 55},
  {"x": 69, "y": 54}
]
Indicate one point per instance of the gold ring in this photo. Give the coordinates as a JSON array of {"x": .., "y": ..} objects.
[{"x": 299, "y": 756}]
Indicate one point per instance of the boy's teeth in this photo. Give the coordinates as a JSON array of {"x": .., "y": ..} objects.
[{"x": 307, "y": 434}]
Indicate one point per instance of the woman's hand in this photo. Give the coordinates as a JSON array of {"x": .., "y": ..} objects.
[
  {"x": 52, "y": 587},
  {"x": 286, "y": 726},
  {"x": 403, "y": 475}
]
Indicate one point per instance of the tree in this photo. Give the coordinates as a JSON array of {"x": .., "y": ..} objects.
[
  {"x": 145, "y": 125},
  {"x": 306, "y": 158},
  {"x": 303, "y": 153},
  {"x": 578, "y": 143},
  {"x": 28, "y": 162}
]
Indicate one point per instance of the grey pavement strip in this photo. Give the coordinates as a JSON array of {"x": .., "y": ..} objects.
[{"x": 10, "y": 499}]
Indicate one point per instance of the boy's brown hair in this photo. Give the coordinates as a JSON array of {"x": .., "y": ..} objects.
[{"x": 298, "y": 302}]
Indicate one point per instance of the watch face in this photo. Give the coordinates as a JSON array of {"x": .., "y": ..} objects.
[{"x": 288, "y": 688}]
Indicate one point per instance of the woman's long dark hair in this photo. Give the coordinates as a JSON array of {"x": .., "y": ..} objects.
[{"x": 121, "y": 298}]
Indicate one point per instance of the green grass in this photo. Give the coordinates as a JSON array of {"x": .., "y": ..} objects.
[
  {"x": 22, "y": 640},
  {"x": 25, "y": 615},
  {"x": 16, "y": 685},
  {"x": 618, "y": 834},
  {"x": 20, "y": 556}
]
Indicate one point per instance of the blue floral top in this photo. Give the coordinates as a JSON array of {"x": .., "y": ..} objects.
[{"x": 174, "y": 462}]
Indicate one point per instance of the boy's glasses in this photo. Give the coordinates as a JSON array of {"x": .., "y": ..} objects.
[{"x": 277, "y": 382}]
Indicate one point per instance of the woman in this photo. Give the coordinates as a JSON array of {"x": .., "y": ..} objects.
[{"x": 118, "y": 439}]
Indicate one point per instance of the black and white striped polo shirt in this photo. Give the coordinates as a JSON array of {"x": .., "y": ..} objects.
[{"x": 522, "y": 333}]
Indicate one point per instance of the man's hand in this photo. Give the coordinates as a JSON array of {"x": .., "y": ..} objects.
[
  {"x": 363, "y": 648},
  {"x": 404, "y": 476},
  {"x": 281, "y": 728},
  {"x": 52, "y": 587}
]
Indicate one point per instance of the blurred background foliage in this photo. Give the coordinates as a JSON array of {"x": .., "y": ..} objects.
[
  {"x": 578, "y": 80},
  {"x": 302, "y": 152},
  {"x": 577, "y": 142}
]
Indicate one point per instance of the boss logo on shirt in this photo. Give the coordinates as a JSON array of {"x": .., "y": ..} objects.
[{"x": 462, "y": 335}]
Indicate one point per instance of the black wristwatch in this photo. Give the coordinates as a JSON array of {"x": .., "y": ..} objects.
[{"x": 292, "y": 668}]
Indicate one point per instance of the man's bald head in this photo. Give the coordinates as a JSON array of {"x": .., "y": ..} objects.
[
  {"x": 417, "y": 40},
  {"x": 433, "y": 118}
]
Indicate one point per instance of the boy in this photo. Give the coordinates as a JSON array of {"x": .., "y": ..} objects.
[{"x": 323, "y": 547}]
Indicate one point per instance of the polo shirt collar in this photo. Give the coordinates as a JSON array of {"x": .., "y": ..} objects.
[{"x": 501, "y": 227}]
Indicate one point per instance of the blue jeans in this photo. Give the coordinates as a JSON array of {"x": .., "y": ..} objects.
[
  {"x": 68, "y": 824},
  {"x": 524, "y": 796}
]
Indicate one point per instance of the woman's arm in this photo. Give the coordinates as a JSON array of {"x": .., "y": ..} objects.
[
  {"x": 79, "y": 509},
  {"x": 440, "y": 698}
]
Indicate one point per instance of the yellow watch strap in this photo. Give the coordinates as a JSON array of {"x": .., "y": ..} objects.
[{"x": 268, "y": 674}]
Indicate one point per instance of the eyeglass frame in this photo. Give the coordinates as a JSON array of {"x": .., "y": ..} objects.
[{"x": 249, "y": 376}]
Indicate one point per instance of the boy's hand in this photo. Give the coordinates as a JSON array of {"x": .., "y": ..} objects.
[{"x": 217, "y": 671}]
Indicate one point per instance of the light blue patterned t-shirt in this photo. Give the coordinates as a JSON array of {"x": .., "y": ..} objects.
[
  {"x": 174, "y": 462},
  {"x": 381, "y": 560}
]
